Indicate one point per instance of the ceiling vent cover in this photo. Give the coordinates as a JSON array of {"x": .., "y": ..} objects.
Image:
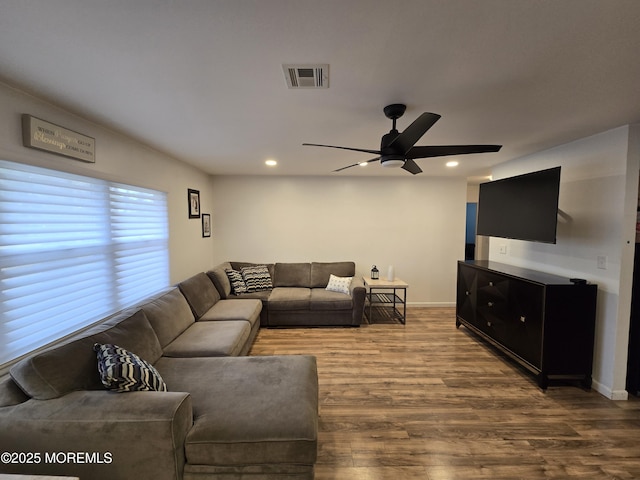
[{"x": 307, "y": 76}]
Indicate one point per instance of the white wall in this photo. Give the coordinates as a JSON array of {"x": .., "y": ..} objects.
[
  {"x": 416, "y": 224},
  {"x": 598, "y": 198},
  {"x": 118, "y": 158}
]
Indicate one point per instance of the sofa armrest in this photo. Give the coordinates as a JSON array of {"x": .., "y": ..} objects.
[
  {"x": 100, "y": 434},
  {"x": 359, "y": 295}
]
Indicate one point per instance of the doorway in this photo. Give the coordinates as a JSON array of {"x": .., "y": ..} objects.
[{"x": 470, "y": 234}]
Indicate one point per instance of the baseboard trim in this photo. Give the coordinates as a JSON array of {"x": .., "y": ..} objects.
[
  {"x": 616, "y": 395},
  {"x": 431, "y": 304}
]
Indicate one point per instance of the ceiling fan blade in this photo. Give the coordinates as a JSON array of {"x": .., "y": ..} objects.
[
  {"x": 375, "y": 152},
  {"x": 358, "y": 164},
  {"x": 444, "y": 150},
  {"x": 411, "y": 167},
  {"x": 407, "y": 139}
]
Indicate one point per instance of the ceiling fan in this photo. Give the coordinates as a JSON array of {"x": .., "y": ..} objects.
[{"x": 397, "y": 149}]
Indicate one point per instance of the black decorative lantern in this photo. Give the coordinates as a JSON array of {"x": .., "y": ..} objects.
[{"x": 375, "y": 273}]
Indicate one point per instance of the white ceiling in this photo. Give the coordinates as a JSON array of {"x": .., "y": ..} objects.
[{"x": 202, "y": 80}]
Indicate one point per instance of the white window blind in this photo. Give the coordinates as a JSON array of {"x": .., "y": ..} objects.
[{"x": 73, "y": 249}]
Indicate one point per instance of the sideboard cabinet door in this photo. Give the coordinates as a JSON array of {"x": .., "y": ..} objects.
[{"x": 526, "y": 303}]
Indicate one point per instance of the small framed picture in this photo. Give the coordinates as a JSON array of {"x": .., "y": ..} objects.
[
  {"x": 194, "y": 203},
  {"x": 206, "y": 225}
]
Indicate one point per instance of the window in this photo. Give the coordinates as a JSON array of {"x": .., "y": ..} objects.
[{"x": 73, "y": 249}]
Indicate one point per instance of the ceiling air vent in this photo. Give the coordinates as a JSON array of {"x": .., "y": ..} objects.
[{"x": 307, "y": 76}]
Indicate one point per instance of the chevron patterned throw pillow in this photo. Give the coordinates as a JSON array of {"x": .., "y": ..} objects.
[
  {"x": 237, "y": 282},
  {"x": 124, "y": 371},
  {"x": 257, "y": 278}
]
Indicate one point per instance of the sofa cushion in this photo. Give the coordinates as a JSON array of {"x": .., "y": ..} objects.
[
  {"x": 262, "y": 295},
  {"x": 210, "y": 339},
  {"x": 238, "y": 285},
  {"x": 169, "y": 315},
  {"x": 292, "y": 275},
  {"x": 256, "y": 278},
  {"x": 289, "y": 298},
  {"x": 250, "y": 410},
  {"x": 235, "y": 309},
  {"x": 220, "y": 279},
  {"x": 320, "y": 272},
  {"x": 73, "y": 365},
  {"x": 123, "y": 371},
  {"x": 322, "y": 299},
  {"x": 200, "y": 292}
]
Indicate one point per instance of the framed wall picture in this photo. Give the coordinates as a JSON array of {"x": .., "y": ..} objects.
[
  {"x": 194, "y": 203},
  {"x": 206, "y": 225}
]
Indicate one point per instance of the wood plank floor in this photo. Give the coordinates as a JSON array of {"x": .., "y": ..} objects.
[{"x": 429, "y": 401}]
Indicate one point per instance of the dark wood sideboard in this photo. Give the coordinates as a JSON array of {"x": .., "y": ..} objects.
[{"x": 544, "y": 322}]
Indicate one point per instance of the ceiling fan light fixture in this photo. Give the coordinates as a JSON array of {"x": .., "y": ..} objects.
[
  {"x": 392, "y": 161},
  {"x": 452, "y": 163}
]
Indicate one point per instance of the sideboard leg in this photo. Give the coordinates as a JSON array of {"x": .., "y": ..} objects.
[{"x": 543, "y": 381}]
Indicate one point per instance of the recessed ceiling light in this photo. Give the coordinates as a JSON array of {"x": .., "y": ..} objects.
[
  {"x": 271, "y": 162},
  {"x": 452, "y": 163},
  {"x": 363, "y": 164}
]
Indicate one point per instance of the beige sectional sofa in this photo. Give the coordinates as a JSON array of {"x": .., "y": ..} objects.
[
  {"x": 298, "y": 295},
  {"x": 223, "y": 416}
]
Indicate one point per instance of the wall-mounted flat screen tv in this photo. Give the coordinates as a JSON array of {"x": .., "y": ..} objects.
[{"x": 524, "y": 207}]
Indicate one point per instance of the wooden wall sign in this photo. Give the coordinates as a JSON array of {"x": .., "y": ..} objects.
[{"x": 37, "y": 133}]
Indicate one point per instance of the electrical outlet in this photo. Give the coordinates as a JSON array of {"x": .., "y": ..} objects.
[
  {"x": 601, "y": 261},
  {"x": 503, "y": 249}
]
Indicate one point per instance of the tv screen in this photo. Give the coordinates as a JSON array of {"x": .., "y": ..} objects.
[{"x": 524, "y": 207}]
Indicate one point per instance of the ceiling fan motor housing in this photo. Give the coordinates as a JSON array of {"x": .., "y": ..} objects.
[
  {"x": 385, "y": 143},
  {"x": 390, "y": 157}
]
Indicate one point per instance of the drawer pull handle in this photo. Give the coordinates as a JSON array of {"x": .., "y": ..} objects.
[
  {"x": 491, "y": 284},
  {"x": 467, "y": 293},
  {"x": 488, "y": 324},
  {"x": 523, "y": 319},
  {"x": 490, "y": 304}
]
